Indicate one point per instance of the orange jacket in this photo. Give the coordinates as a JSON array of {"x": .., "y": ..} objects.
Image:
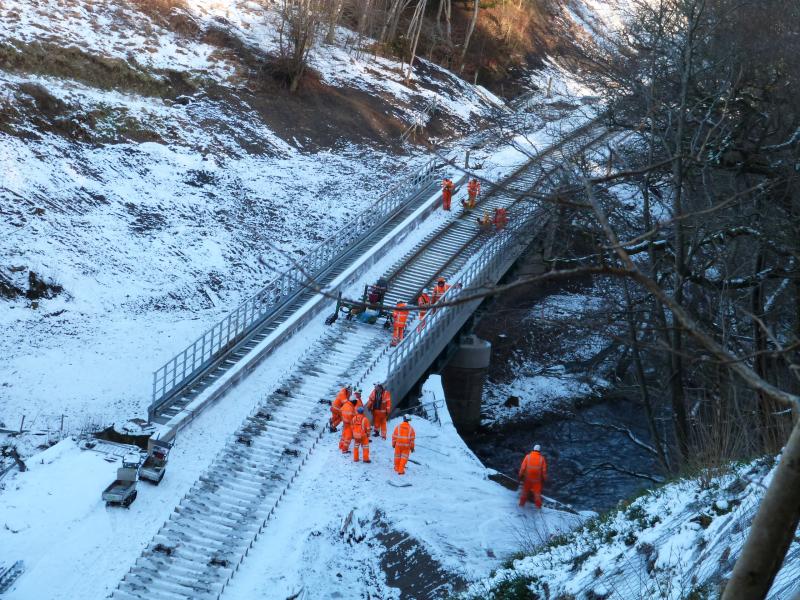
[
  {"x": 423, "y": 300},
  {"x": 448, "y": 186},
  {"x": 403, "y": 436},
  {"x": 360, "y": 427},
  {"x": 533, "y": 468},
  {"x": 399, "y": 317},
  {"x": 382, "y": 404},
  {"x": 439, "y": 291},
  {"x": 501, "y": 217},
  {"x": 474, "y": 187},
  {"x": 349, "y": 411},
  {"x": 341, "y": 398}
]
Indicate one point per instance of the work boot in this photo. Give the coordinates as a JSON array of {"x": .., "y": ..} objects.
[
  {"x": 366, "y": 460},
  {"x": 376, "y": 433}
]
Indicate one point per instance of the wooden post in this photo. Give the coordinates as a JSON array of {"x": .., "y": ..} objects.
[
  {"x": 22, "y": 423},
  {"x": 466, "y": 160},
  {"x": 61, "y": 429}
]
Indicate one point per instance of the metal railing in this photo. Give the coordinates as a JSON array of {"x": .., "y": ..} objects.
[
  {"x": 222, "y": 337},
  {"x": 415, "y": 353}
]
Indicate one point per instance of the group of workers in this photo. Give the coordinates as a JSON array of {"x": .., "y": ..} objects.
[
  {"x": 486, "y": 222},
  {"x": 425, "y": 302},
  {"x": 349, "y": 410}
]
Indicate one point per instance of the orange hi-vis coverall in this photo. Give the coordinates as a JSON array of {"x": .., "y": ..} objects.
[
  {"x": 438, "y": 292},
  {"x": 448, "y": 187},
  {"x": 336, "y": 407},
  {"x": 532, "y": 474},
  {"x": 424, "y": 301},
  {"x": 348, "y": 412},
  {"x": 403, "y": 444},
  {"x": 360, "y": 436},
  {"x": 399, "y": 318},
  {"x": 473, "y": 189},
  {"x": 380, "y": 405},
  {"x": 500, "y": 218}
]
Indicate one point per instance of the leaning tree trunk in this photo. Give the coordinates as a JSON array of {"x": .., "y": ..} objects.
[{"x": 772, "y": 531}]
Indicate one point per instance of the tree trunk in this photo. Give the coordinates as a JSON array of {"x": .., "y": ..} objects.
[
  {"x": 642, "y": 381},
  {"x": 418, "y": 20},
  {"x": 772, "y": 531},
  {"x": 475, "y": 8},
  {"x": 335, "y": 15}
]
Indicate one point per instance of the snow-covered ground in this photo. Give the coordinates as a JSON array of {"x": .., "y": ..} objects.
[
  {"x": 544, "y": 373},
  {"x": 155, "y": 208},
  {"x": 679, "y": 541},
  {"x": 325, "y": 537}
]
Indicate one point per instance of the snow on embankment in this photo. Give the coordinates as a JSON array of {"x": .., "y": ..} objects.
[
  {"x": 330, "y": 535},
  {"x": 674, "y": 542},
  {"x": 153, "y": 179}
]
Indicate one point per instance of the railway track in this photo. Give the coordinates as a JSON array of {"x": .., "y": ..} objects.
[
  {"x": 445, "y": 251},
  {"x": 201, "y": 545},
  {"x": 186, "y": 394}
]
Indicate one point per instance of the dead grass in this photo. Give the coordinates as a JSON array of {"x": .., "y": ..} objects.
[{"x": 97, "y": 71}]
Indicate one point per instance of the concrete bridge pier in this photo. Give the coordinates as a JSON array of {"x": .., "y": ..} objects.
[{"x": 463, "y": 379}]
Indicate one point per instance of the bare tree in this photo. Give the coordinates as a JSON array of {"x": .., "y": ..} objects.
[{"x": 300, "y": 23}]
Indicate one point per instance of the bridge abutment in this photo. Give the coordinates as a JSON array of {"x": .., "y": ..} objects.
[{"x": 463, "y": 379}]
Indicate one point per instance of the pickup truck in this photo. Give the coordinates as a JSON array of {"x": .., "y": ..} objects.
[
  {"x": 155, "y": 465},
  {"x": 122, "y": 491}
]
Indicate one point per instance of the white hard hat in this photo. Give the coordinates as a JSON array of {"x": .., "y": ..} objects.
[{"x": 536, "y": 448}]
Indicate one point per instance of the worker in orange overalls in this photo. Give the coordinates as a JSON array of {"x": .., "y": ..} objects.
[
  {"x": 399, "y": 318},
  {"x": 424, "y": 301},
  {"x": 448, "y": 187},
  {"x": 473, "y": 189},
  {"x": 532, "y": 474},
  {"x": 380, "y": 405},
  {"x": 360, "y": 434},
  {"x": 348, "y": 412},
  {"x": 500, "y": 218},
  {"x": 403, "y": 443},
  {"x": 439, "y": 290},
  {"x": 337, "y": 404}
]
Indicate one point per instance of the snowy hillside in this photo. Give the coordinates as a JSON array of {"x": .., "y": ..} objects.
[
  {"x": 153, "y": 176},
  {"x": 678, "y": 541}
]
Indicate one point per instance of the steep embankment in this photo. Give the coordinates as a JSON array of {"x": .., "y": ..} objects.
[{"x": 678, "y": 541}]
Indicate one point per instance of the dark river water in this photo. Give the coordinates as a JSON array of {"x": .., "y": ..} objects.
[{"x": 577, "y": 453}]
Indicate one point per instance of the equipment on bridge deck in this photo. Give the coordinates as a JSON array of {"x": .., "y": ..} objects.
[
  {"x": 155, "y": 465},
  {"x": 485, "y": 222},
  {"x": 122, "y": 491},
  {"x": 369, "y": 310}
]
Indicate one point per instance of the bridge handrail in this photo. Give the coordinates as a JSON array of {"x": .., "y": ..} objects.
[
  {"x": 240, "y": 322},
  {"x": 474, "y": 276}
]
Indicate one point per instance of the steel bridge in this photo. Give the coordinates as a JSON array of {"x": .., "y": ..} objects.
[{"x": 200, "y": 546}]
